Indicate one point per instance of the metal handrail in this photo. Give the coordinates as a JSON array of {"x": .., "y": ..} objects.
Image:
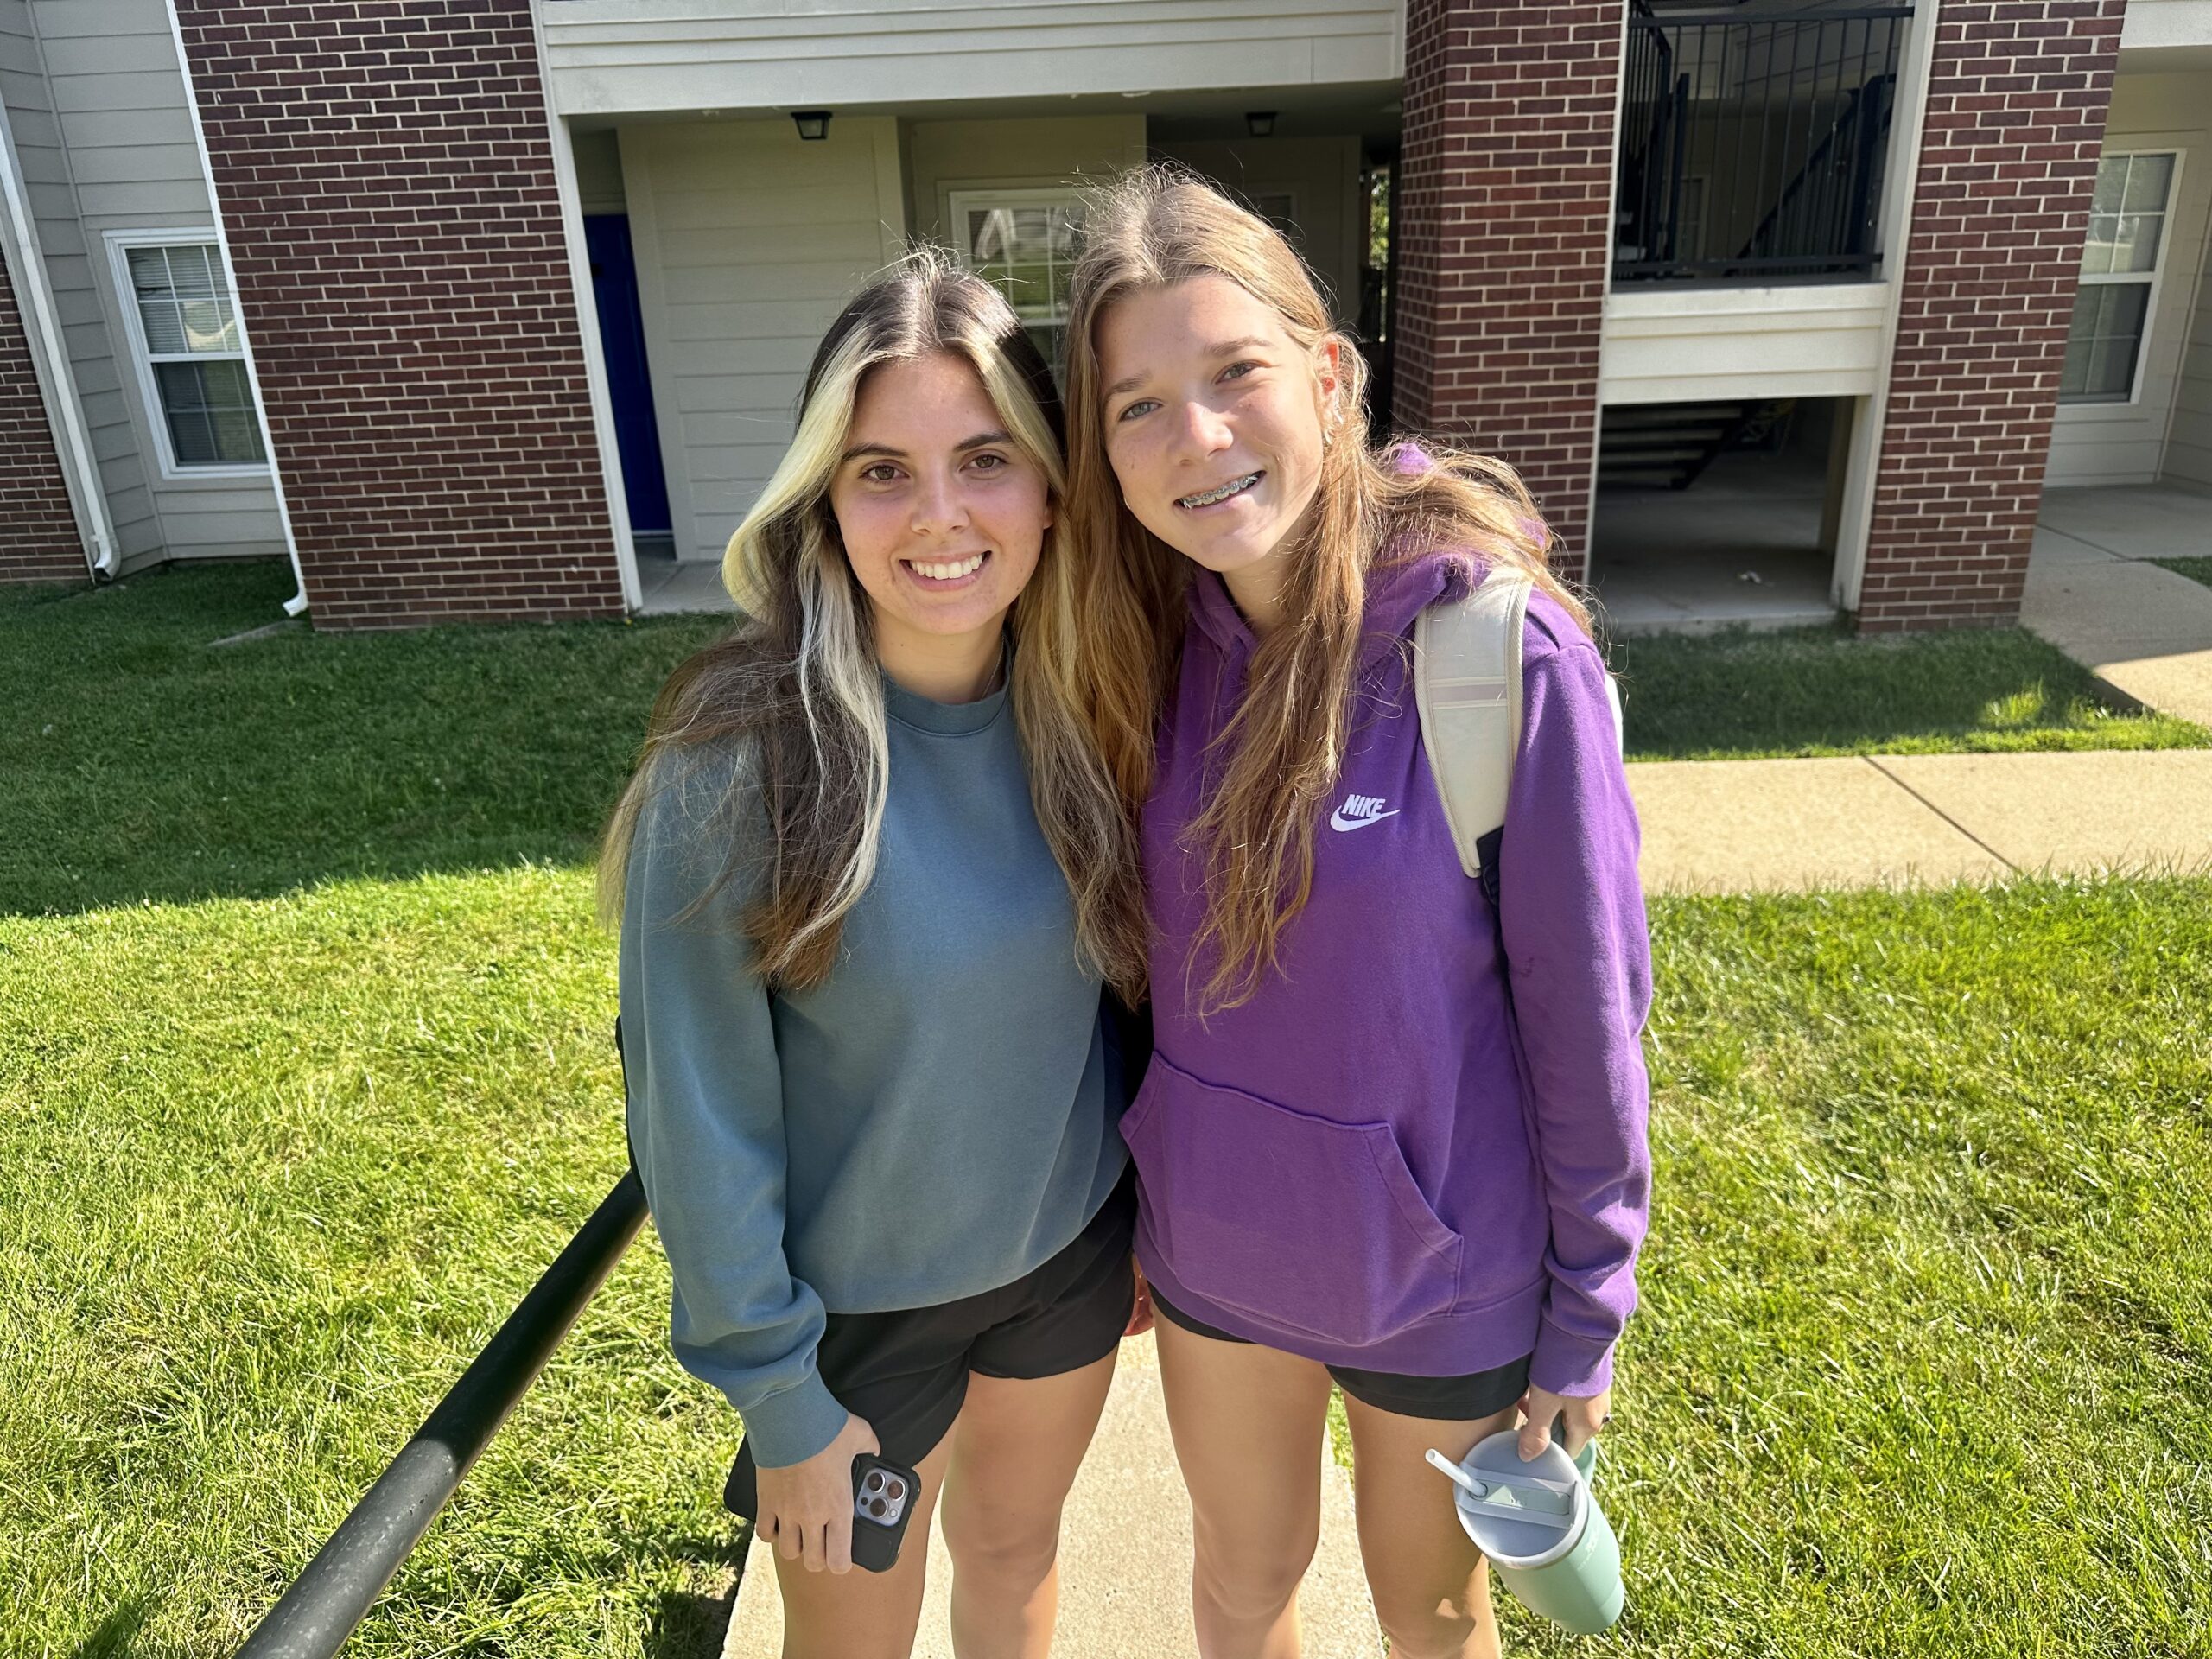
[{"x": 331, "y": 1597}]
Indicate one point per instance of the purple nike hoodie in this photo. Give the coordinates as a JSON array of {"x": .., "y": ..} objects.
[{"x": 1420, "y": 1147}]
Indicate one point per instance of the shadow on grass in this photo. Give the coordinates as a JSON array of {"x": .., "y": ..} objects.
[
  {"x": 112, "y": 1639},
  {"x": 146, "y": 762},
  {"x": 691, "y": 1624},
  {"x": 1823, "y": 690}
]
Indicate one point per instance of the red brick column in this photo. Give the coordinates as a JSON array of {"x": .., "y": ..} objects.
[
  {"x": 1506, "y": 177},
  {"x": 387, "y": 182},
  {"x": 2016, "y": 117},
  {"x": 38, "y": 529}
]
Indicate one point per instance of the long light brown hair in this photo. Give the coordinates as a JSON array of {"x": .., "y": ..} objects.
[
  {"x": 797, "y": 690},
  {"x": 1278, "y": 757}
]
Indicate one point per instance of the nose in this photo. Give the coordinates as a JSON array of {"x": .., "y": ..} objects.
[
  {"x": 1201, "y": 432},
  {"x": 940, "y": 506}
]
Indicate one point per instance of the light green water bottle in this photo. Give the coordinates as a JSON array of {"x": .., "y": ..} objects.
[{"x": 1540, "y": 1527}]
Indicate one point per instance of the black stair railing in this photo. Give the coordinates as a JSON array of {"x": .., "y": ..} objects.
[
  {"x": 1754, "y": 143},
  {"x": 335, "y": 1591}
]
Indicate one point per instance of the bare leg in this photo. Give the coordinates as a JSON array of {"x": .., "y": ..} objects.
[
  {"x": 864, "y": 1615},
  {"x": 1247, "y": 1423},
  {"x": 1015, "y": 1456},
  {"x": 1431, "y": 1583}
]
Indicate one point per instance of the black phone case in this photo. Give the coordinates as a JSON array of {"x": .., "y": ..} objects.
[{"x": 875, "y": 1544}]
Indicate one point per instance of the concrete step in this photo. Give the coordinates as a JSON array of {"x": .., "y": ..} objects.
[{"x": 1125, "y": 1554}]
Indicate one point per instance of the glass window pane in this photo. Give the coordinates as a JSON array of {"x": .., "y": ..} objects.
[
  {"x": 191, "y": 273},
  {"x": 205, "y": 327},
  {"x": 2135, "y": 245},
  {"x": 2112, "y": 185},
  {"x": 192, "y": 438},
  {"x": 149, "y": 272},
  {"x": 182, "y": 302},
  {"x": 2103, "y": 342},
  {"x": 209, "y": 409},
  {"x": 2096, "y": 252},
  {"x": 2148, "y": 179},
  {"x": 2074, "y": 379},
  {"x": 164, "y": 327}
]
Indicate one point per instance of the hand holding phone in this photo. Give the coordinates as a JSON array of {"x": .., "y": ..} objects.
[
  {"x": 805, "y": 1508},
  {"x": 883, "y": 1501}
]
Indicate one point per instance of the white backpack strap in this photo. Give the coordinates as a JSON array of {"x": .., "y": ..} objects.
[{"x": 1467, "y": 685}]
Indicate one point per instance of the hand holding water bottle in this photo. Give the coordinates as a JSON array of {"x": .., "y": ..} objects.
[{"x": 1580, "y": 1417}]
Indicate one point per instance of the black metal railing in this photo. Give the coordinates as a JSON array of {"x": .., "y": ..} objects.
[
  {"x": 1753, "y": 140},
  {"x": 334, "y": 1593}
]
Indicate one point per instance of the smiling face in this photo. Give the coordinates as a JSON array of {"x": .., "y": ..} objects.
[
  {"x": 1214, "y": 418},
  {"x": 943, "y": 516}
]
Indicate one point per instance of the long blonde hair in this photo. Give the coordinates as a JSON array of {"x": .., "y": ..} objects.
[
  {"x": 799, "y": 686},
  {"x": 1281, "y": 751}
]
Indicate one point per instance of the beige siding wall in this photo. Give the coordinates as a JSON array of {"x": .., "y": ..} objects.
[
  {"x": 71, "y": 274},
  {"x": 123, "y": 124},
  {"x": 748, "y": 242},
  {"x": 943, "y": 156},
  {"x": 2127, "y": 443},
  {"x": 2189, "y": 445},
  {"x": 1321, "y": 174}
]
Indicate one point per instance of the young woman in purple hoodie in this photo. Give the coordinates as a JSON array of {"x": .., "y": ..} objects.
[{"x": 1393, "y": 1134}]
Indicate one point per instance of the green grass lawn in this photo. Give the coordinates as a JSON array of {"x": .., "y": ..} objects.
[
  {"x": 1808, "y": 691},
  {"x": 145, "y": 764},
  {"x": 1925, "y": 1365},
  {"x": 2194, "y": 569}
]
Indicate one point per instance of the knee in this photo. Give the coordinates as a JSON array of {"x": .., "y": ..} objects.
[
  {"x": 1007, "y": 1545},
  {"x": 1252, "y": 1579},
  {"x": 1438, "y": 1631}
]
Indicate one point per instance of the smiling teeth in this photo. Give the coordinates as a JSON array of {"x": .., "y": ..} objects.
[
  {"x": 1235, "y": 485},
  {"x": 948, "y": 572}
]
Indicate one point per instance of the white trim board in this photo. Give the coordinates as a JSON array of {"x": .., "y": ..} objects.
[
  {"x": 119, "y": 244},
  {"x": 611, "y": 57},
  {"x": 1707, "y": 344}
]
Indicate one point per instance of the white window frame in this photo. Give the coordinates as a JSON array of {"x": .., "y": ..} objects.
[
  {"x": 958, "y": 203},
  {"x": 2086, "y": 279},
  {"x": 119, "y": 243}
]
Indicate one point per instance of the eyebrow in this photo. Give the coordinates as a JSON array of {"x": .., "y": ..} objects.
[
  {"x": 982, "y": 440},
  {"x": 1224, "y": 348}
]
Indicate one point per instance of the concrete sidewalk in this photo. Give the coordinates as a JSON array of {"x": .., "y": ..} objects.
[
  {"x": 1745, "y": 826},
  {"x": 2143, "y": 630},
  {"x": 1125, "y": 1554}
]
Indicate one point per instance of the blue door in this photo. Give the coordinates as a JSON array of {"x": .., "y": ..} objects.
[{"x": 622, "y": 337}]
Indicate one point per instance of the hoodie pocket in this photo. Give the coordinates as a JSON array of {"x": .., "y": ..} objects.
[{"x": 1303, "y": 1223}]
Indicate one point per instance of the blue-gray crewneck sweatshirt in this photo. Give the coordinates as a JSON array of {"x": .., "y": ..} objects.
[{"x": 933, "y": 1121}]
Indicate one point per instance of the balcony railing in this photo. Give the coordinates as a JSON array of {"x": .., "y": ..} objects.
[{"x": 1753, "y": 141}]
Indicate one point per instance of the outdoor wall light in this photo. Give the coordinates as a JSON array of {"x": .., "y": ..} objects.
[
  {"x": 1262, "y": 123},
  {"x": 811, "y": 123}
]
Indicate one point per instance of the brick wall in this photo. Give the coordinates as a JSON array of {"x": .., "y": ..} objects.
[
  {"x": 1506, "y": 172},
  {"x": 2016, "y": 119},
  {"x": 38, "y": 530},
  {"x": 387, "y": 181}
]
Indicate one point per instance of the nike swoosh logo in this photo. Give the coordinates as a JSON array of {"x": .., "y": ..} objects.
[{"x": 1337, "y": 821}]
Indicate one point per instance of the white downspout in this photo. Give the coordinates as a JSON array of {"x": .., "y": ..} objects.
[
  {"x": 298, "y": 602},
  {"x": 44, "y": 329}
]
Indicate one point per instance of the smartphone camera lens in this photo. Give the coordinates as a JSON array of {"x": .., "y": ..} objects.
[
  {"x": 875, "y": 1508},
  {"x": 895, "y": 1490},
  {"x": 875, "y": 1481}
]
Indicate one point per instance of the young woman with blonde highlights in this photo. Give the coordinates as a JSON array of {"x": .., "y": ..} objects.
[
  {"x": 1361, "y": 1157},
  {"x": 872, "y": 875}
]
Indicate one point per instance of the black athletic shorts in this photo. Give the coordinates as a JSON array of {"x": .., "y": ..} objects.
[
  {"x": 904, "y": 1373},
  {"x": 1452, "y": 1399}
]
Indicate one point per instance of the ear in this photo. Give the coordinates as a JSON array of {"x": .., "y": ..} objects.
[{"x": 1328, "y": 373}]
